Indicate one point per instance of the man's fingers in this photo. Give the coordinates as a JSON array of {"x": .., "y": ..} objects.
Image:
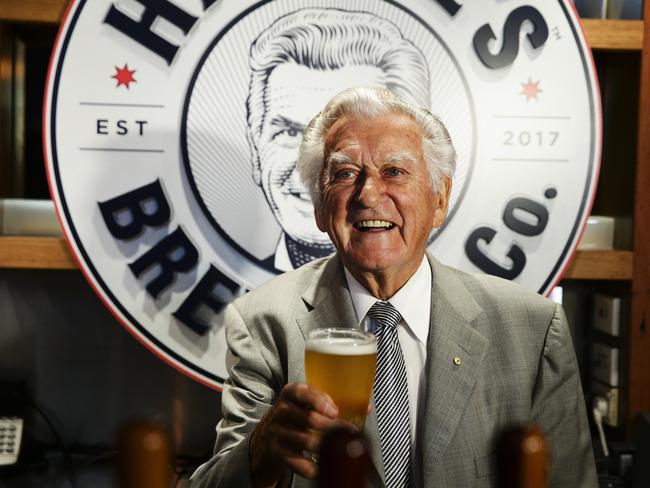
[
  {"x": 305, "y": 395},
  {"x": 303, "y": 466},
  {"x": 295, "y": 425},
  {"x": 293, "y": 442},
  {"x": 294, "y": 458},
  {"x": 299, "y": 417},
  {"x": 315, "y": 420},
  {"x": 310, "y": 440}
]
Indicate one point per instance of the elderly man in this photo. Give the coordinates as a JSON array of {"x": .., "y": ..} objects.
[
  {"x": 297, "y": 64},
  {"x": 468, "y": 354}
]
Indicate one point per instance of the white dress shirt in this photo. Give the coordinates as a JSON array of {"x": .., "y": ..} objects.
[{"x": 413, "y": 302}]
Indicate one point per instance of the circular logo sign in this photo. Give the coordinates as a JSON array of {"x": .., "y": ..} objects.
[{"x": 172, "y": 135}]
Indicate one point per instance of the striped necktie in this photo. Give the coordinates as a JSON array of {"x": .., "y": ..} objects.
[{"x": 391, "y": 397}]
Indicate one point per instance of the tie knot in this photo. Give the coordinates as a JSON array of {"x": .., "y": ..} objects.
[{"x": 385, "y": 315}]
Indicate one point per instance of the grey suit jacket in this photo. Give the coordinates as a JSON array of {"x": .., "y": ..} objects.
[{"x": 517, "y": 365}]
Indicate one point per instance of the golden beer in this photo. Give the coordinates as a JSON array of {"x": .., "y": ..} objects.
[{"x": 341, "y": 363}]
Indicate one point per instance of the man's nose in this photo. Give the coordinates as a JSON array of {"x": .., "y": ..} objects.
[{"x": 371, "y": 190}]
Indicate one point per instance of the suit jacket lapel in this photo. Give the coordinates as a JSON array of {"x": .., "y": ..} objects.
[
  {"x": 455, "y": 351},
  {"x": 328, "y": 304},
  {"x": 327, "y": 300}
]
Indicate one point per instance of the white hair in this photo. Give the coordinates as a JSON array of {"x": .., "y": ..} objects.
[{"x": 361, "y": 103}]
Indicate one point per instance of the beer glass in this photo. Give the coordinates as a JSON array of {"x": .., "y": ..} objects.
[{"x": 341, "y": 362}]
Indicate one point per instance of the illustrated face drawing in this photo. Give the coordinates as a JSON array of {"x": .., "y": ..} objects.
[{"x": 299, "y": 63}]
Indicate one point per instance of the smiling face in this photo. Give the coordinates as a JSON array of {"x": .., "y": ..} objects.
[
  {"x": 294, "y": 95},
  {"x": 378, "y": 204}
]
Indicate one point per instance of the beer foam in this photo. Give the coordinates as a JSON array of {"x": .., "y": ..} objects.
[{"x": 342, "y": 346}]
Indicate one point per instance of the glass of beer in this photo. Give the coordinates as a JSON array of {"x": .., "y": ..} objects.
[{"x": 341, "y": 362}]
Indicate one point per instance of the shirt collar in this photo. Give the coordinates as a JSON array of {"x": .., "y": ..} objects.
[{"x": 412, "y": 301}]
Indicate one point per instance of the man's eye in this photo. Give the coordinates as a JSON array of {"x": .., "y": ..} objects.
[
  {"x": 394, "y": 172},
  {"x": 290, "y": 132},
  {"x": 289, "y": 137},
  {"x": 344, "y": 174}
]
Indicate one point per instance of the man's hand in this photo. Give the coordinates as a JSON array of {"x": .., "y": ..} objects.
[{"x": 278, "y": 442}]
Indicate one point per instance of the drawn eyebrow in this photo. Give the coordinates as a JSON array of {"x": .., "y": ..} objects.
[{"x": 280, "y": 123}]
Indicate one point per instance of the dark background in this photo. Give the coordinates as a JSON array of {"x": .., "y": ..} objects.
[{"x": 88, "y": 376}]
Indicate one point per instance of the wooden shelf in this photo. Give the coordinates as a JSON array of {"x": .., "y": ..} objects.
[
  {"x": 33, "y": 10},
  {"x": 611, "y": 35},
  {"x": 601, "y": 265},
  {"x": 614, "y": 35},
  {"x": 54, "y": 253},
  {"x": 35, "y": 253}
]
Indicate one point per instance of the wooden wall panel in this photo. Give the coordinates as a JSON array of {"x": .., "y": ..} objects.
[{"x": 639, "y": 365}]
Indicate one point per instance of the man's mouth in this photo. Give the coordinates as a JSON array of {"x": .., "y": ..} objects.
[{"x": 373, "y": 225}]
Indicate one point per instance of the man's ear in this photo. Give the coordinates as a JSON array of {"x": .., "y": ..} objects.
[
  {"x": 255, "y": 158},
  {"x": 442, "y": 202},
  {"x": 257, "y": 174}
]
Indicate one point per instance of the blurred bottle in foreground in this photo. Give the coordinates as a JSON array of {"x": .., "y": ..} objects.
[
  {"x": 344, "y": 460},
  {"x": 522, "y": 458},
  {"x": 144, "y": 456}
]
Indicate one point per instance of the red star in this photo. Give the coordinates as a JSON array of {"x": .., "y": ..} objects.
[
  {"x": 124, "y": 76},
  {"x": 530, "y": 89}
]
